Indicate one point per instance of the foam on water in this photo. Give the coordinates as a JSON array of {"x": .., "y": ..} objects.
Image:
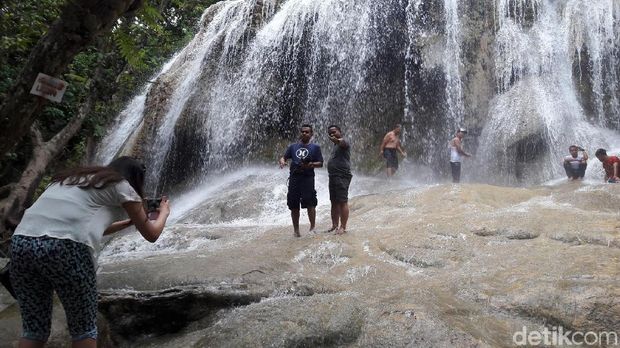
[{"x": 261, "y": 189}]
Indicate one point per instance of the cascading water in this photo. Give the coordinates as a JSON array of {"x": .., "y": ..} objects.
[
  {"x": 124, "y": 126},
  {"x": 537, "y": 113},
  {"x": 258, "y": 68},
  {"x": 452, "y": 62}
]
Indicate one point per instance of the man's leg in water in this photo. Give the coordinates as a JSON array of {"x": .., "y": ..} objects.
[
  {"x": 567, "y": 169},
  {"x": 335, "y": 212},
  {"x": 344, "y": 216},
  {"x": 311, "y": 217},
  {"x": 582, "y": 170},
  {"x": 456, "y": 171},
  {"x": 295, "y": 218}
]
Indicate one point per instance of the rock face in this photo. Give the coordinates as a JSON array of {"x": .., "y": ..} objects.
[{"x": 437, "y": 266}]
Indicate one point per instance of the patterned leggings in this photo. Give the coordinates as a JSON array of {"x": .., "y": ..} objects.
[{"x": 40, "y": 265}]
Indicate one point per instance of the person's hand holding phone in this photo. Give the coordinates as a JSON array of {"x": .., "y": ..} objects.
[
  {"x": 156, "y": 206},
  {"x": 164, "y": 206}
]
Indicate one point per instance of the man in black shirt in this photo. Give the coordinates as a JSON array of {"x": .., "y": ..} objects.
[
  {"x": 339, "y": 170},
  {"x": 304, "y": 156}
]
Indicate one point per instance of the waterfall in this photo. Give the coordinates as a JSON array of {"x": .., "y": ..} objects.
[
  {"x": 452, "y": 62},
  {"x": 125, "y": 124},
  {"x": 529, "y": 76},
  {"x": 228, "y": 29}
]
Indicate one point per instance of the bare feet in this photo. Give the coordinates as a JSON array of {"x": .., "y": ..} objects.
[
  {"x": 296, "y": 234},
  {"x": 332, "y": 229},
  {"x": 341, "y": 231}
]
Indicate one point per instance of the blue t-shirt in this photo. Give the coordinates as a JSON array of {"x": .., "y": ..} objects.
[{"x": 299, "y": 152}]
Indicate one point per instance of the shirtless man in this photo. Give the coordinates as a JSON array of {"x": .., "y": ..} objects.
[
  {"x": 389, "y": 146},
  {"x": 611, "y": 164},
  {"x": 456, "y": 153}
]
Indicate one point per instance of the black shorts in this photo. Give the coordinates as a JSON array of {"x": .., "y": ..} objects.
[
  {"x": 339, "y": 188},
  {"x": 391, "y": 158},
  {"x": 575, "y": 173},
  {"x": 301, "y": 192}
]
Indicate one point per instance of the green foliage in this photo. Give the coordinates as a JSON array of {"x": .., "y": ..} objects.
[
  {"x": 22, "y": 23},
  {"x": 129, "y": 50},
  {"x": 124, "y": 61},
  {"x": 151, "y": 17}
]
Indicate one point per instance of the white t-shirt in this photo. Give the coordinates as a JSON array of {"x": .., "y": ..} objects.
[
  {"x": 81, "y": 215},
  {"x": 574, "y": 161},
  {"x": 455, "y": 156}
]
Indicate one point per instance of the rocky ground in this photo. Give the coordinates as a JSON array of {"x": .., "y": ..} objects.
[{"x": 438, "y": 266}]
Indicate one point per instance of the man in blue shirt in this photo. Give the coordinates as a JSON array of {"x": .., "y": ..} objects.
[{"x": 304, "y": 156}]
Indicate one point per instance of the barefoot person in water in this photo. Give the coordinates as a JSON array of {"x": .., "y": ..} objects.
[
  {"x": 389, "y": 146},
  {"x": 304, "y": 156},
  {"x": 574, "y": 164},
  {"x": 339, "y": 170}
]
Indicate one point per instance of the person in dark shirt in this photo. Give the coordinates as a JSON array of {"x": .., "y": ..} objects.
[
  {"x": 304, "y": 156},
  {"x": 611, "y": 165},
  {"x": 339, "y": 170}
]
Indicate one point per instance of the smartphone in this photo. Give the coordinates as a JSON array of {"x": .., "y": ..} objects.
[{"x": 152, "y": 204}]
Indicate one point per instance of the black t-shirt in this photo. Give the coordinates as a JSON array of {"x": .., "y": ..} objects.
[
  {"x": 300, "y": 153},
  {"x": 340, "y": 161}
]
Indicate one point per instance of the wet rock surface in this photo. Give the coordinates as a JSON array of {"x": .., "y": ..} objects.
[{"x": 438, "y": 266}]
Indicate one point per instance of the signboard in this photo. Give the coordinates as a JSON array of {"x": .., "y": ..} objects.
[{"x": 49, "y": 87}]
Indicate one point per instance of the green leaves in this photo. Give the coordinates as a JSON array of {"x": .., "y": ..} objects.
[
  {"x": 114, "y": 69},
  {"x": 129, "y": 49},
  {"x": 151, "y": 17}
]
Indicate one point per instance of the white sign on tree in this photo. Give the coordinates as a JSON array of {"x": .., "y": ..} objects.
[{"x": 49, "y": 87}]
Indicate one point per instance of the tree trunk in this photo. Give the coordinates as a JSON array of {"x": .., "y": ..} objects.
[
  {"x": 12, "y": 207},
  {"x": 79, "y": 25}
]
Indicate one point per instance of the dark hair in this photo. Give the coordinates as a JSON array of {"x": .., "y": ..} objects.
[
  {"x": 334, "y": 126},
  {"x": 305, "y": 125},
  {"x": 573, "y": 147},
  {"x": 398, "y": 125},
  {"x": 125, "y": 167},
  {"x": 600, "y": 152}
]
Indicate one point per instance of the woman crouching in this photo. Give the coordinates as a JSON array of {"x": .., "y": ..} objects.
[{"x": 54, "y": 246}]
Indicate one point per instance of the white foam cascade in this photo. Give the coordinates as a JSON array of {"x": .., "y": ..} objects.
[
  {"x": 259, "y": 68},
  {"x": 452, "y": 62},
  {"x": 536, "y": 99},
  {"x": 317, "y": 44},
  {"x": 127, "y": 123},
  {"x": 227, "y": 29}
]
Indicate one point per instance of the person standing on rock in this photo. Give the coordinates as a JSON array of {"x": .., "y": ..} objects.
[
  {"x": 304, "y": 156},
  {"x": 55, "y": 245},
  {"x": 389, "y": 146},
  {"x": 457, "y": 153},
  {"x": 611, "y": 165},
  {"x": 575, "y": 165},
  {"x": 339, "y": 170}
]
